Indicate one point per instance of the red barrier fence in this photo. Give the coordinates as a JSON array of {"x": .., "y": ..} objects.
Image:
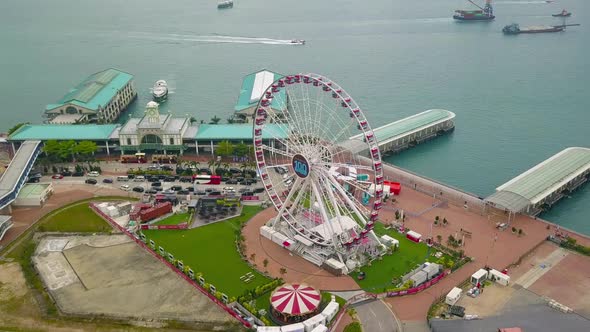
[
  {"x": 417, "y": 289},
  {"x": 163, "y": 260},
  {"x": 250, "y": 198},
  {"x": 184, "y": 225}
]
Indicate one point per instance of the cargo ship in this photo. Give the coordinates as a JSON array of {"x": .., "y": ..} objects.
[
  {"x": 483, "y": 14},
  {"x": 515, "y": 29}
]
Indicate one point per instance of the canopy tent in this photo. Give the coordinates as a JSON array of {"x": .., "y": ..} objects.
[{"x": 295, "y": 299}]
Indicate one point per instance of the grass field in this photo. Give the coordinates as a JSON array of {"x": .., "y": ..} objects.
[
  {"x": 211, "y": 250},
  {"x": 75, "y": 218},
  {"x": 174, "y": 219},
  {"x": 380, "y": 273}
]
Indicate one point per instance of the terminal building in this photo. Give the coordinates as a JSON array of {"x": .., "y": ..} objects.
[
  {"x": 407, "y": 132},
  {"x": 537, "y": 189},
  {"x": 253, "y": 87},
  {"x": 100, "y": 98}
]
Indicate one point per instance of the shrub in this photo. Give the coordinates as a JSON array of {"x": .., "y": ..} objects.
[{"x": 353, "y": 327}]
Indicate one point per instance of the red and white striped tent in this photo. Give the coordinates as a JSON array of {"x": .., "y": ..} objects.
[{"x": 295, "y": 299}]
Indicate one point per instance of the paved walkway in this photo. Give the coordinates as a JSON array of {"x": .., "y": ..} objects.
[
  {"x": 375, "y": 316},
  {"x": 534, "y": 274}
]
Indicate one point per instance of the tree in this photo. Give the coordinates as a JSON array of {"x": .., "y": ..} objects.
[
  {"x": 215, "y": 120},
  {"x": 282, "y": 271},
  {"x": 193, "y": 119},
  {"x": 16, "y": 127},
  {"x": 241, "y": 150},
  {"x": 445, "y": 222},
  {"x": 451, "y": 240},
  {"x": 265, "y": 263},
  {"x": 226, "y": 166},
  {"x": 253, "y": 257},
  {"x": 513, "y": 229},
  {"x": 52, "y": 148},
  {"x": 210, "y": 163},
  {"x": 225, "y": 148},
  {"x": 231, "y": 120},
  {"x": 439, "y": 238},
  {"x": 520, "y": 232},
  {"x": 86, "y": 149},
  {"x": 67, "y": 149}
]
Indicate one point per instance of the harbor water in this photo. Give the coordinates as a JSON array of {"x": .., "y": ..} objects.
[{"x": 518, "y": 99}]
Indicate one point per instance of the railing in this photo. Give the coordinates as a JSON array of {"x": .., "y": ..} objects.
[{"x": 171, "y": 266}]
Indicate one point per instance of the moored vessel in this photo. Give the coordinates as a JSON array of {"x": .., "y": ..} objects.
[
  {"x": 483, "y": 14},
  {"x": 564, "y": 13},
  {"x": 160, "y": 90}
]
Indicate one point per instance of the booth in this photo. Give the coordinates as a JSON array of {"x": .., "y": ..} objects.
[
  {"x": 479, "y": 277},
  {"x": 499, "y": 277},
  {"x": 453, "y": 296},
  {"x": 413, "y": 236},
  {"x": 321, "y": 328},
  {"x": 389, "y": 241}
]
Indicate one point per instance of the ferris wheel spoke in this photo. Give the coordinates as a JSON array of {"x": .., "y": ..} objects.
[
  {"x": 332, "y": 164},
  {"x": 274, "y": 150}
]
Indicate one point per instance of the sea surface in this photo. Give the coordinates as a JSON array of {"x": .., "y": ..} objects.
[{"x": 518, "y": 99}]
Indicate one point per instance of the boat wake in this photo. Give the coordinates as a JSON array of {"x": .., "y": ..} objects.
[
  {"x": 212, "y": 39},
  {"x": 520, "y": 2}
]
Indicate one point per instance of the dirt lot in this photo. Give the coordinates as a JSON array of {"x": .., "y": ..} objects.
[{"x": 111, "y": 276}]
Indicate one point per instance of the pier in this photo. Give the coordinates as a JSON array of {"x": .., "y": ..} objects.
[
  {"x": 408, "y": 132},
  {"x": 537, "y": 189}
]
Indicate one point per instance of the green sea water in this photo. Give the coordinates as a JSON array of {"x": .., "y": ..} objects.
[{"x": 518, "y": 99}]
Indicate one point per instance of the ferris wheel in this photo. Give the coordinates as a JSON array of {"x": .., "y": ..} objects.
[{"x": 307, "y": 131}]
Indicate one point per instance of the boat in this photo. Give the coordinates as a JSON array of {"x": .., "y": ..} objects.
[
  {"x": 515, "y": 29},
  {"x": 160, "y": 90},
  {"x": 483, "y": 14},
  {"x": 564, "y": 13},
  {"x": 298, "y": 41},
  {"x": 225, "y": 4}
]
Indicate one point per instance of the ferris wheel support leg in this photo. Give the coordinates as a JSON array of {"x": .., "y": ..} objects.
[
  {"x": 326, "y": 218},
  {"x": 288, "y": 199}
]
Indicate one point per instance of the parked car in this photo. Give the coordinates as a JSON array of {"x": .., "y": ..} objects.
[
  {"x": 183, "y": 192},
  {"x": 200, "y": 193},
  {"x": 235, "y": 170},
  {"x": 156, "y": 184},
  {"x": 176, "y": 188},
  {"x": 151, "y": 191},
  {"x": 138, "y": 189},
  {"x": 57, "y": 176},
  {"x": 205, "y": 170},
  {"x": 215, "y": 193},
  {"x": 139, "y": 178},
  {"x": 225, "y": 178},
  {"x": 232, "y": 181},
  {"x": 107, "y": 180},
  {"x": 93, "y": 174},
  {"x": 247, "y": 193},
  {"x": 66, "y": 173},
  {"x": 250, "y": 181},
  {"x": 33, "y": 180},
  {"x": 169, "y": 179},
  {"x": 190, "y": 189},
  {"x": 209, "y": 190},
  {"x": 91, "y": 181},
  {"x": 124, "y": 187},
  {"x": 78, "y": 174},
  {"x": 157, "y": 188},
  {"x": 228, "y": 188},
  {"x": 258, "y": 190},
  {"x": 131, "y": 176},
  {"x": 186, "y": 179}
]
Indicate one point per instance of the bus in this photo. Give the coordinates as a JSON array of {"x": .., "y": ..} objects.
[
  {"x": 138, "y": 158},
  {"x": 206, "y": 179}
]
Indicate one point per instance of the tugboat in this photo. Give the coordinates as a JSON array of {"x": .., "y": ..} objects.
[
  {"x": 160, "y": 90},
  {"x": 484, "y": 14},
  {"x": 225, "y": 4},
  {"x": 564, "y": 13}
]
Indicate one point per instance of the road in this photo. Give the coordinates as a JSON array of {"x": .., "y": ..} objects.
[{"x": 375, "y": 316}]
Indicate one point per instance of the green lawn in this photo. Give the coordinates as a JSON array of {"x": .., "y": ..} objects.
[
  {"x": 174, "y": 219},
  {"x": 380, "y": 273},
  {"x": 211, "y": 250},
  {"x": 75, "y": 218}
]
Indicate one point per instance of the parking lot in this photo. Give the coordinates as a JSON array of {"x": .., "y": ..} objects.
[{"x": 171, "y": 186}]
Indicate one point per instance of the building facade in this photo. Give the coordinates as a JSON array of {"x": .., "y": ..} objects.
[{"x": 100, "y": 98}]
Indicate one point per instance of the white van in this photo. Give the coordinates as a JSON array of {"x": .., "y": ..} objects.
[
  {"x": 122, "y": 178},
  {"x": 124, "y": 187},
  {"x": 139, "y": 178}
]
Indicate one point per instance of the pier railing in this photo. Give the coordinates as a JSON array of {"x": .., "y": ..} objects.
[{"x": 435, "y": 188}]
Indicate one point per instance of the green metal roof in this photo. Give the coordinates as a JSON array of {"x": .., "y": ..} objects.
[
  {"x": 246, "y": 91},
  {"x": 542, "y": 180},
  {"x": 95, "y": 91},
  {"x": 413, "y": 123},
  {"x": 238, "y": 132},
  {"x": 63, "y": 132}
]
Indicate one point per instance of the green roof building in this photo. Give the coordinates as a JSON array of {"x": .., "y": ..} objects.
[
  {"x": 100, "y": 98},
  {"x": 253, "y": 87}
]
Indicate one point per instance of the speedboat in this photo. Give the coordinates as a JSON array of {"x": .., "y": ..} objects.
[
  {"x": 160, "y": 90},
  {"x": 298, "y": 41},
  {"x": 225, "y": 4}
]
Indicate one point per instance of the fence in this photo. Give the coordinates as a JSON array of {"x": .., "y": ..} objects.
[
  {"x": 163, "y": 260},
  {"x": 184, "y": 225},
  {"x": 434, "y": 188}
]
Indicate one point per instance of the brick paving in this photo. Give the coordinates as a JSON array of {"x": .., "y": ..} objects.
[{"x": 24, "y": 217}]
